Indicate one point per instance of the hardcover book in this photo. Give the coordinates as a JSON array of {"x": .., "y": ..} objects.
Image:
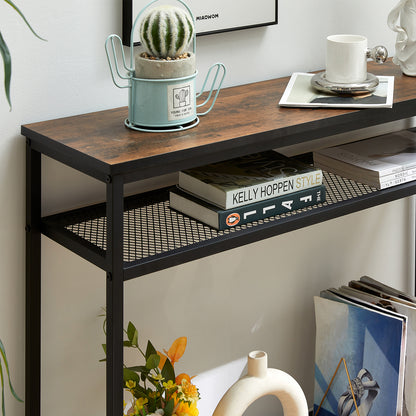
[
  {"x": 381, "y": 161},
  {"x": 372, "y": 344},
  {"x": 249, "y": 179},
  {"x": 223, "y": 219}
]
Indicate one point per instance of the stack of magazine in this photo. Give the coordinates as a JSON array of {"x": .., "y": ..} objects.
[
  {"x": 247, "y": 189},
  {"x": 381, "y": 161},
  {"x": 365, "y": 355}
]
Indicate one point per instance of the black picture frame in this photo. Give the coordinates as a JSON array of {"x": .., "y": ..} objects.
[{"x": 257, "y": 13}]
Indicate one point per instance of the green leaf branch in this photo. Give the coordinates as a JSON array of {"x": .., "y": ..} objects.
[
  {"x": 5, "y": 53},
  {"x": 3, "y": 362}
]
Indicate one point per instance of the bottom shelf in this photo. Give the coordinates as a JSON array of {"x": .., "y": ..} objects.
[{"x": 156, "y": 237}]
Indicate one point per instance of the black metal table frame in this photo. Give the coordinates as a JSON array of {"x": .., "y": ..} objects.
[{"x": 111, "y": 261}]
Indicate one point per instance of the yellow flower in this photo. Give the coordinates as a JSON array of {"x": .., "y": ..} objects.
[
  {"x": 169, "y": 385},
  {"x": 186, "y": 409},
  {"x": 157, "y": 377},
  {"x": 130, "y": 384},
  {"x": 154, "y": 394},
  {"x": 187, "y": 391},
  {"x": 140, "y": 402}
]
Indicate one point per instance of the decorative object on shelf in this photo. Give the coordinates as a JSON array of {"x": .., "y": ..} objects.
[
  {"x": 261, "y": 381},
  {"x": 346, "y": 66},
  {"x": 3, "y": 358},
  {"x": 402, "y": 19},
  {"x": 154, "y": 387},
  {"x": 162, "y": 82},
  {"x": 5, "y": 53}
]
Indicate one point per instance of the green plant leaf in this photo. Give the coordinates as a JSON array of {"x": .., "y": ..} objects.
[
  {"x": 139, "y": 369},
  {"x": 6, "y": 365},
  {"x": 7, "y": 62},
  {"x": 150, "y": 350},
  {"x": 130, "y": 375},
  {"x": 3, "y": 411},
  {"x": 23, "y": 17},
  {"x": 168, "y": 410},
  {"x": 168, "y": 371},
  {"x": 133, "y": 334},
  {"x": 152, "y": 361}
]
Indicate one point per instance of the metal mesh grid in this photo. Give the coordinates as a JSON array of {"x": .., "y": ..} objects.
[{"x": 153, "y": 228}]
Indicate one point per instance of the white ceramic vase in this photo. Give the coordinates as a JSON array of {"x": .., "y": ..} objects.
[
  {"x": 261, "y": 381},
  {"x": 402, "y": 19}
]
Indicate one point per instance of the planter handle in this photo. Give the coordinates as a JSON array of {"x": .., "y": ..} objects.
[
  {"x": 109, "y": 40},
  {"x": 219, "y": 66}
]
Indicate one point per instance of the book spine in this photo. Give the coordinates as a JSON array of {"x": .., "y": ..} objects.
[
  {"x": 271, "y": 207},
  {"x": 404, "y": 178},
  {"x": 273, "y": 189}
]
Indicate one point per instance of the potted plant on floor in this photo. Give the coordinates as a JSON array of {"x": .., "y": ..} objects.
[
  {"x": 5, "y": 54},
  {"x": 5, "y": 364},
  {"x": 161, "y": 79}
]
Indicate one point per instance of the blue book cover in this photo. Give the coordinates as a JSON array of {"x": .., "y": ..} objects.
[{"x": 373, "y": 346}]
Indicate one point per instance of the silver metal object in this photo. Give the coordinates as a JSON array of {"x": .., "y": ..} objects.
[
  {"x": 379, "y": 54},
  {"x": 320, "y": 82}
]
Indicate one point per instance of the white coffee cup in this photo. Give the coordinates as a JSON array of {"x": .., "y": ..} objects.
[{"x": 346, "y": 59}]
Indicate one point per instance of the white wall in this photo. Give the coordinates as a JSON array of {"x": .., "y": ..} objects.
[{"x": 255, "y": 297}]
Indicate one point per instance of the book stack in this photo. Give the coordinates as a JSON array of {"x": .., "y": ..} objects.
[
  {"x": 246, "y": 189},
  {"x": 365, "y": 355},
  {"x": 381, "y": 161}
]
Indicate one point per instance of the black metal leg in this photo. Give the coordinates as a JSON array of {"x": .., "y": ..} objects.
[
  {"x": 115, "y": 296},
  {"x": 33, "y": 281}
]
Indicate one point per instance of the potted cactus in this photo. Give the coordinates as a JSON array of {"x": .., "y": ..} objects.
[
  {"x": 161, "y": 77},
  {"x": 166, "y": 32}
]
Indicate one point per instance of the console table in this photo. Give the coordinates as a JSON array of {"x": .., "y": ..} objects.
[{"x": 133, "y": 236}]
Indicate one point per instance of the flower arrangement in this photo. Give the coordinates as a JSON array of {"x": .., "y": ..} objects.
[{"x": 155, "y": 389}]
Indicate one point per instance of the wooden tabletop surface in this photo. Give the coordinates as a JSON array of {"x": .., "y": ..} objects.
[{"x": 240, "y": 112}]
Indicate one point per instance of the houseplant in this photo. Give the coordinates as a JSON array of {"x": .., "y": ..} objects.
[
  {"x": 154, "y": 388},
  {"x": 3, "y": 362},
  {"x": 5, "y": 53},
  {"x": 161, "y": 80},
  {"x": 166, "y": 32}
]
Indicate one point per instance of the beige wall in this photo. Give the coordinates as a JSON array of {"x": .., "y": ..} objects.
[{"x": 255, "y": 297}]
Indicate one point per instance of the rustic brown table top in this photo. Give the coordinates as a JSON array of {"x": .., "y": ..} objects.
[{"x": 245, "y": 118}]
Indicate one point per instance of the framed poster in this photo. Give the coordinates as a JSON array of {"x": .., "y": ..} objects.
[{"x": 212, "y": 16}]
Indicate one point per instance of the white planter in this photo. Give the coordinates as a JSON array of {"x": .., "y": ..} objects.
[
  {"x": 164, "y": 69},
  {"x": 402, "y": 19}
]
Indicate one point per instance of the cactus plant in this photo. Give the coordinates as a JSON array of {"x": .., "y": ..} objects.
[{"x": 166, "y": 31}]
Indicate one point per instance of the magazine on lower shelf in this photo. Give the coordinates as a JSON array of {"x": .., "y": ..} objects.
[
  {"x": 300, "y": 93},
  {"x": 370, "y": 343},
  {"x": 381, "y": 161},
  {"x": 373, "y": 327},
  {"x": 222, "y": 219}
]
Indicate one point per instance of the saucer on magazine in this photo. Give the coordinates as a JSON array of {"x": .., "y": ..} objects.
[{"x": 320, "y": 83}]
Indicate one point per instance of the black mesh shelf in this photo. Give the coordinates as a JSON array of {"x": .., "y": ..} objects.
[{"x": 153, "y": 233}]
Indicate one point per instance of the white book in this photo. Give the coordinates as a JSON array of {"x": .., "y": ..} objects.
[{"x": 380, "y": 161}]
